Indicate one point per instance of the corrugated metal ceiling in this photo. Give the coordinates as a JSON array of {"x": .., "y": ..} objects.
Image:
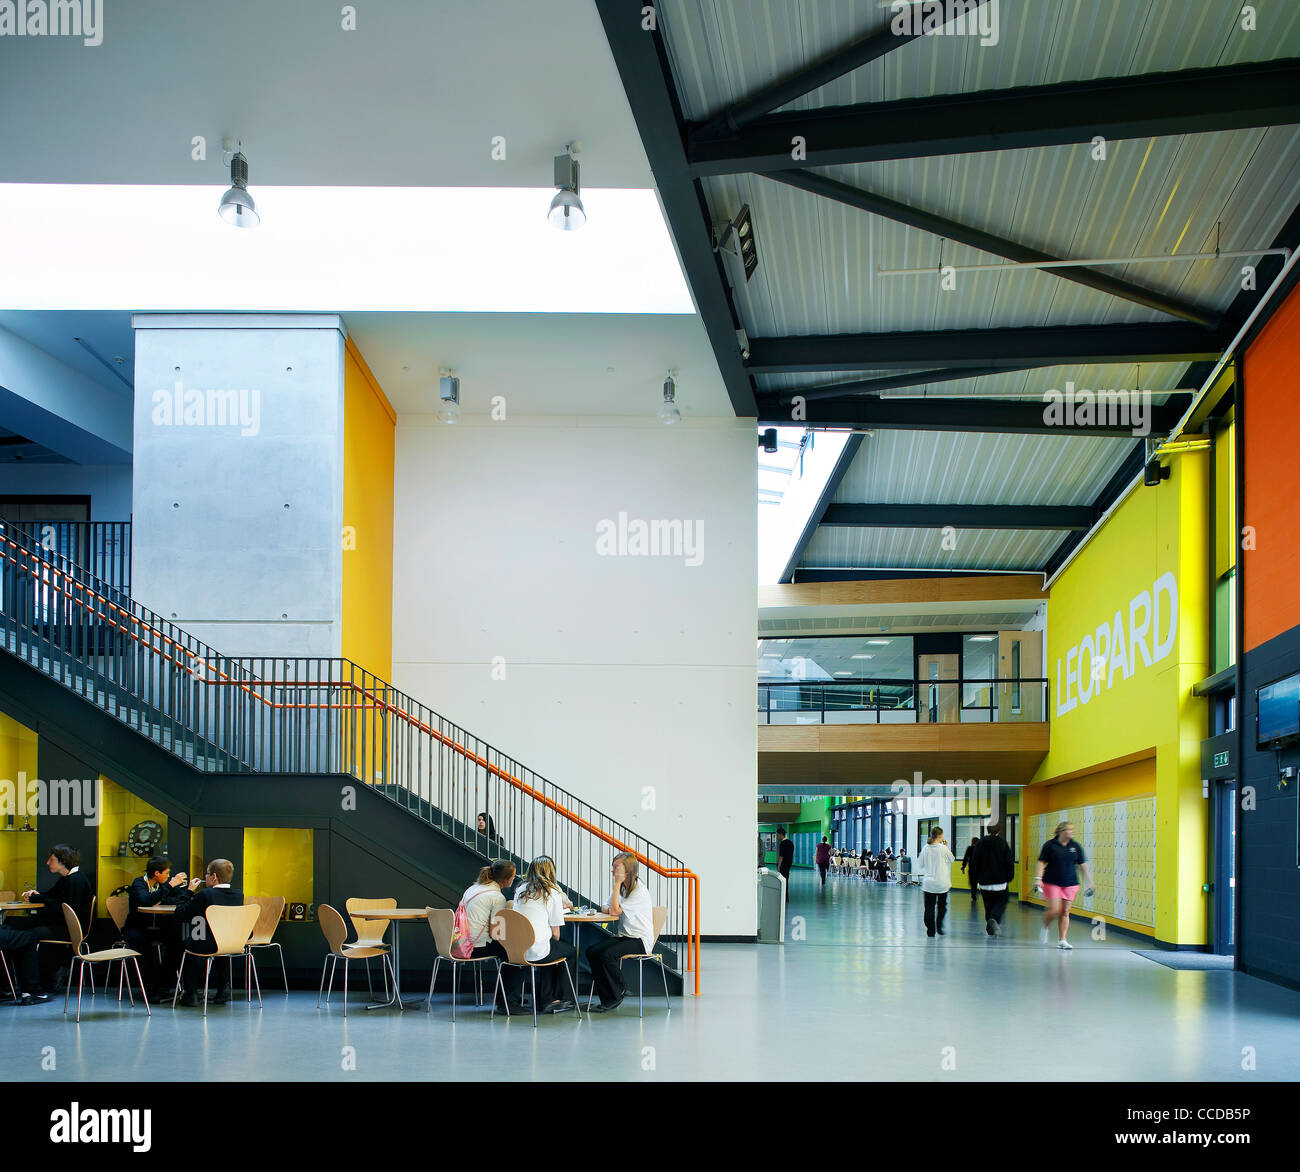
[{"x": 819, "y": 260}]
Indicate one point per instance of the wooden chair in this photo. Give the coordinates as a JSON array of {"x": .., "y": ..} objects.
[
  {"x": 272, "y": 908},
  {"x": 369, "y": 933},
  {"x": 81, "y": 957},
  {"x": 68, "y": 944},
  {"x": 660, "y": 915},
  {"x": 336, "y": 932},
  {"x": 442, "y": 923},
  {"x": 230, "y": 927},
  {"x": 518, "y": 939}
]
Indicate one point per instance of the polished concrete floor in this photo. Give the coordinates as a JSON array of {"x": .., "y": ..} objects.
[{"x": 863, "y": 995}]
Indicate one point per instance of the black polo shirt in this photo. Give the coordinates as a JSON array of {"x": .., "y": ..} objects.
[{"x": 1061, "y": 862}]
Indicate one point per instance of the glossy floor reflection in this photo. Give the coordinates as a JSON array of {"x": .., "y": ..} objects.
[{"x": 863, "y": 982}]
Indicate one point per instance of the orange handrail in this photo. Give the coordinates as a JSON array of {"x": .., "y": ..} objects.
[{"x": 371, "y": 701}]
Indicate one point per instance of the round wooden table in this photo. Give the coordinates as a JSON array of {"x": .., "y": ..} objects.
[
  {"x": 399, "y": 916},
  {"x": 158, "y": 909}
]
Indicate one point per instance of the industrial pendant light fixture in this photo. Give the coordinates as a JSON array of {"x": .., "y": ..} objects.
[
  {"x": 668, "y": 414},
  {"x": 566, "y": 212},
  {"x": 237, "y": 206},
  {"x": 448, "y": 397}
]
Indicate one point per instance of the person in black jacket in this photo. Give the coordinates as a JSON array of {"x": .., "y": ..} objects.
[
  {"x": 992, "y": 868},
  {"x": 197, "y": 934},
  {"x": 968, "y": 869},
  {"x": 143, "y": 931},
  {"x": 73, "y": 887},
  {"x": 784, "y": 857}
]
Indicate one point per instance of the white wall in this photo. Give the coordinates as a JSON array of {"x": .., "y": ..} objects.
[
  {"x": 620, "y": 672},
  {"x": 107, "y": 485}
]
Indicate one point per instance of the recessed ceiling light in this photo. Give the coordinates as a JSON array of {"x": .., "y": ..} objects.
[
  {"x": 771, "y": 655},
  {"x": 843, "y": 673},
  {"x": 861, "y": 657},
  {"x": 879, "y": 642},
  {"x": 982, "y": 638}
]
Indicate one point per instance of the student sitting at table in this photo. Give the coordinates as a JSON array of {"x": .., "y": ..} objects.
[
  {"x": 142, "y": 931},
  {"x": 542, "y": 902},
  {"x": 197, "y": 934},
  {"x": 481, "y": 901},
  {"x": 20, "y": 948},
  {"x": 73, "y": 887},
  {"x": 630, "y": 901}
]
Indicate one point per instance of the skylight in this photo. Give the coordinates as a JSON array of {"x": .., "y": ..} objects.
[
  {"x": 464, "y": 249},
  {"x": 790, "y": 483}
]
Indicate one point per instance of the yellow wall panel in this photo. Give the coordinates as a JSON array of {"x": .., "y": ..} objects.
[{"x": 369, "y": 438}]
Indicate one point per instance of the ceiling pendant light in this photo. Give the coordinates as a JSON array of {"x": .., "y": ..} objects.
[
  {"x": 449, "y": 398},
  {"x": 237, "y": 206},
  {"x": 566, "y": 212},
  {"x": 668, "y": 414}
]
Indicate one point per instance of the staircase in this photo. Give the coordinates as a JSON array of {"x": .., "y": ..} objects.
[{"x": 224, "y": 715}]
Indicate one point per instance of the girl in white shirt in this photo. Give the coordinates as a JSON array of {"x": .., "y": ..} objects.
[
  {"x": 482, "y": 900},
  {"x": 630, "y": 901},
  {"x": 935, "y": 865},
  {"x": 541, "y": 901}
]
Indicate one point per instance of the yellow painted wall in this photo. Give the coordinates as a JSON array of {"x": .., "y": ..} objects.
[
  {"x": 1225, "y": 490},
  {"x": 369, "y": 437},
  {"x": 1153, "y": 713},
  {"x": 279, "y": 861},
  {"x": 120, "y": 810},
  {"x": 17, "y": 768}
]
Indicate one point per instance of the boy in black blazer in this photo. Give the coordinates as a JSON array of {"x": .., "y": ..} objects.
[
  {"x": 73, "y": 887},
  {"x": 197, "y": 934}
]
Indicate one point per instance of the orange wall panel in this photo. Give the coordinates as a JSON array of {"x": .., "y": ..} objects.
[{"x": 1272, "y": 427}]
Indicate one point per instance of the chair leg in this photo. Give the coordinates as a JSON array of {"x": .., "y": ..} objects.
[
  {"x": 428, "y": 1004},
  {"x": 321, "y": 991},
  {"x": 640, "y": 984},
  {"x": 346, "y": 962},
  {"x": 129, "y": 994},
  {"x": 257, "y": 981},
  {"x": 144, "y": 996},
  {"x": 283, "y": 972},
  {"x": 577, "y": 1006},
  {"x": 81, "y": 976},
  {"x": 207, "y": 978},
  {"x": 329, "y": 992},
  {"x": 533, "y": 969},
  {"x": 370, "y": 985},
  {"x": 176, "y": 989},
  {"x": 663, "y": 972},
  {"x": 121, "y": 975},
  {"x": 68, "y": 991},
  {"x": 455, "y": 985},
  {"x": 9, "y": 978},
  {"x": 502, "y": 987}
]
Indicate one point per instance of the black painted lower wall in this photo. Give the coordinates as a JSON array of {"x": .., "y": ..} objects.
[{"x": 1268, "y": 901}]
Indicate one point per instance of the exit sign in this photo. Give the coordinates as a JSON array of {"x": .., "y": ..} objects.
[{"x": 1221, "y": 759}]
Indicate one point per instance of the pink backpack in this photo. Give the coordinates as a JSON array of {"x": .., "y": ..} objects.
[{"x": 462, "y": 936}]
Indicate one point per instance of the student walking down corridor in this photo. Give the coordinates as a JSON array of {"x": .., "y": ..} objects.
[{"x": 935, "y": 865}]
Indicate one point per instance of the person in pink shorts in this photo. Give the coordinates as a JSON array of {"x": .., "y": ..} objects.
[{"x": 1057, "y": 880}]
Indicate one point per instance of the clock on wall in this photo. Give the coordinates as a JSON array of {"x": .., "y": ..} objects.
[{"x": 144, "y": 837}]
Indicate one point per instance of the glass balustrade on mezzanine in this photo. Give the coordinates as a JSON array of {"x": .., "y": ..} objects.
[{"x": 893, "y": 701}]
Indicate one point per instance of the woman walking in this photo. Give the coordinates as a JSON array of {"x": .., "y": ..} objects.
[
  {"x": 935, "y": 864},
  {"x": 1057, "y": 880}
]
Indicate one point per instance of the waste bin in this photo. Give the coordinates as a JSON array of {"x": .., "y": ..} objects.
[{"x": 771, "y": 907}]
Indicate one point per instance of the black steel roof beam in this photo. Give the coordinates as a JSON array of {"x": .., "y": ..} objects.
[
  {"x": 642, "y": 64},
  {"x": 1037, "y": 517},
  {"x": 913, "y": 378},
  {"x": 1035, "y": 345},
  {"x": 997, "y": 416},
  {"x": 803, "y": 81},
  {"x": 879, "y": 205},
  {"x": 1190, "y": 101}
]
